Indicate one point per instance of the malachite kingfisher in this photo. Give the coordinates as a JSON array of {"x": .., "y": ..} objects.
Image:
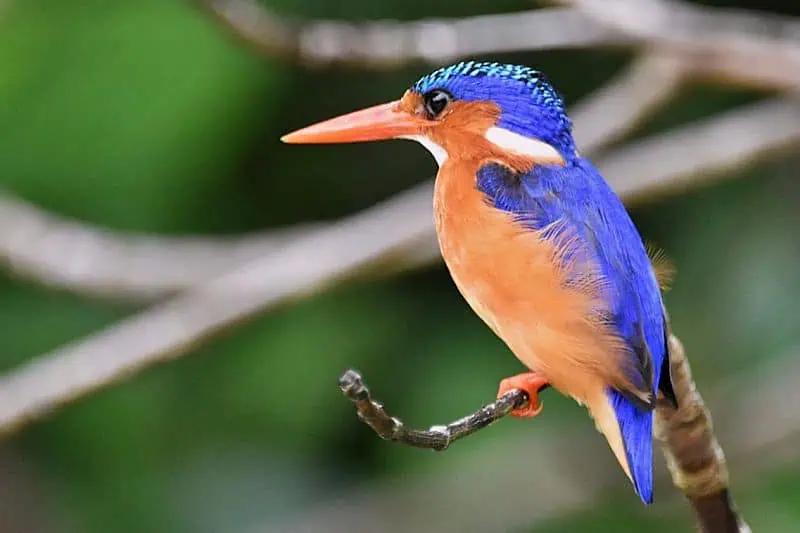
[{"x": 537, "y": 243}]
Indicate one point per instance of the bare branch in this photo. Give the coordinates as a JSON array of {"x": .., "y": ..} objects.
[
  {"x": 169, "y": 330},
  {"x": 387, "y": 44},
  {"x": 399, "y": 231},
  {"x": 437, "y": 437},
  {"x": 694, "y": 457},
  {"x": 63, "y": 253},
  {"x": 618, "y": 107},
  {"x": 700, "y": 153},
  {"x": 756, "y": 49},
  {"x": 712, "y": 43}
]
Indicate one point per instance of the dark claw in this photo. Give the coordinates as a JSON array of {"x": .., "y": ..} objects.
[{"x": 352, "y": 386}]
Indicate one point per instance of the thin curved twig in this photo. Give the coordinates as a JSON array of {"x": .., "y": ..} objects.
[{"x": 437, "y": 438}]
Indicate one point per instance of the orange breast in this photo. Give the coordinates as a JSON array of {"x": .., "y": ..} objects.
[{"x": 513, "y": 280}]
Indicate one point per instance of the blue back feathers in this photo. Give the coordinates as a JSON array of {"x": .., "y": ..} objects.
[
  {"x": 578, "y": 196},
  {"x": 529, "y": 104}
]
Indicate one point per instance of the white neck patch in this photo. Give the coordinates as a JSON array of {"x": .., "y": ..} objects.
[
  {"x": 519, "y": 144},
  {"x": 439, "y": 153}
]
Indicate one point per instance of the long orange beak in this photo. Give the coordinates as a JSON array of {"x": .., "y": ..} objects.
[{"x": 380, "y": 122}]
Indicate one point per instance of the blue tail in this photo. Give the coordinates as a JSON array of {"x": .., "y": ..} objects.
[{"x": 636, "y": 427}]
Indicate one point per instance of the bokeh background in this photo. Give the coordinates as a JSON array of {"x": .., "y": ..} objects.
[{"x": 148, "y": 118}]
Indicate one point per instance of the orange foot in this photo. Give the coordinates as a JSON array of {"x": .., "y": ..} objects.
[{"x": 529, "y": 382}]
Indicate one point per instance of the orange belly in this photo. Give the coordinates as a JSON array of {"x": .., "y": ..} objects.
[{"x": 512, "y": 278}]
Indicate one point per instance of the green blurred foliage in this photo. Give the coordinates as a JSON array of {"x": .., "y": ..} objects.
[{"x": 144, "y": 116}]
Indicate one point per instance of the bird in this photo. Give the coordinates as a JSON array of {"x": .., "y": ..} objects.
[{"x": 537, "y": 243}]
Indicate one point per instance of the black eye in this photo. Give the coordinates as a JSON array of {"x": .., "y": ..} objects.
[{"x": 436, "y": 101}]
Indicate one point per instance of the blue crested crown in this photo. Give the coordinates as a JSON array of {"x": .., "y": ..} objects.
[{"x": 529, "y": 104}]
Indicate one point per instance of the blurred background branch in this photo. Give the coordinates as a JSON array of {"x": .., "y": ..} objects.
[
  {"x": 58, "y": 252},
  {"x": 730, "y": 46},
  {"x": 758, "y": 49},
  {"x": 388, "y": 44}
]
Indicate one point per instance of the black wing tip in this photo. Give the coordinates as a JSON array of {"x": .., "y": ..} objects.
[
  {"x": 665, "y": 383},
  {"x": 642, "y": 396},
  {"x": 640, "y": 403}
]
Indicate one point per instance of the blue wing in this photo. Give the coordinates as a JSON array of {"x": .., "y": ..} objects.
[{"x": 577, "y": 195}]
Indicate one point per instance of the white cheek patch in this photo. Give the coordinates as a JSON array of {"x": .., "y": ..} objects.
[
  {"x": 519, "y": 144},
  {"x": 439, "y": 153}
]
